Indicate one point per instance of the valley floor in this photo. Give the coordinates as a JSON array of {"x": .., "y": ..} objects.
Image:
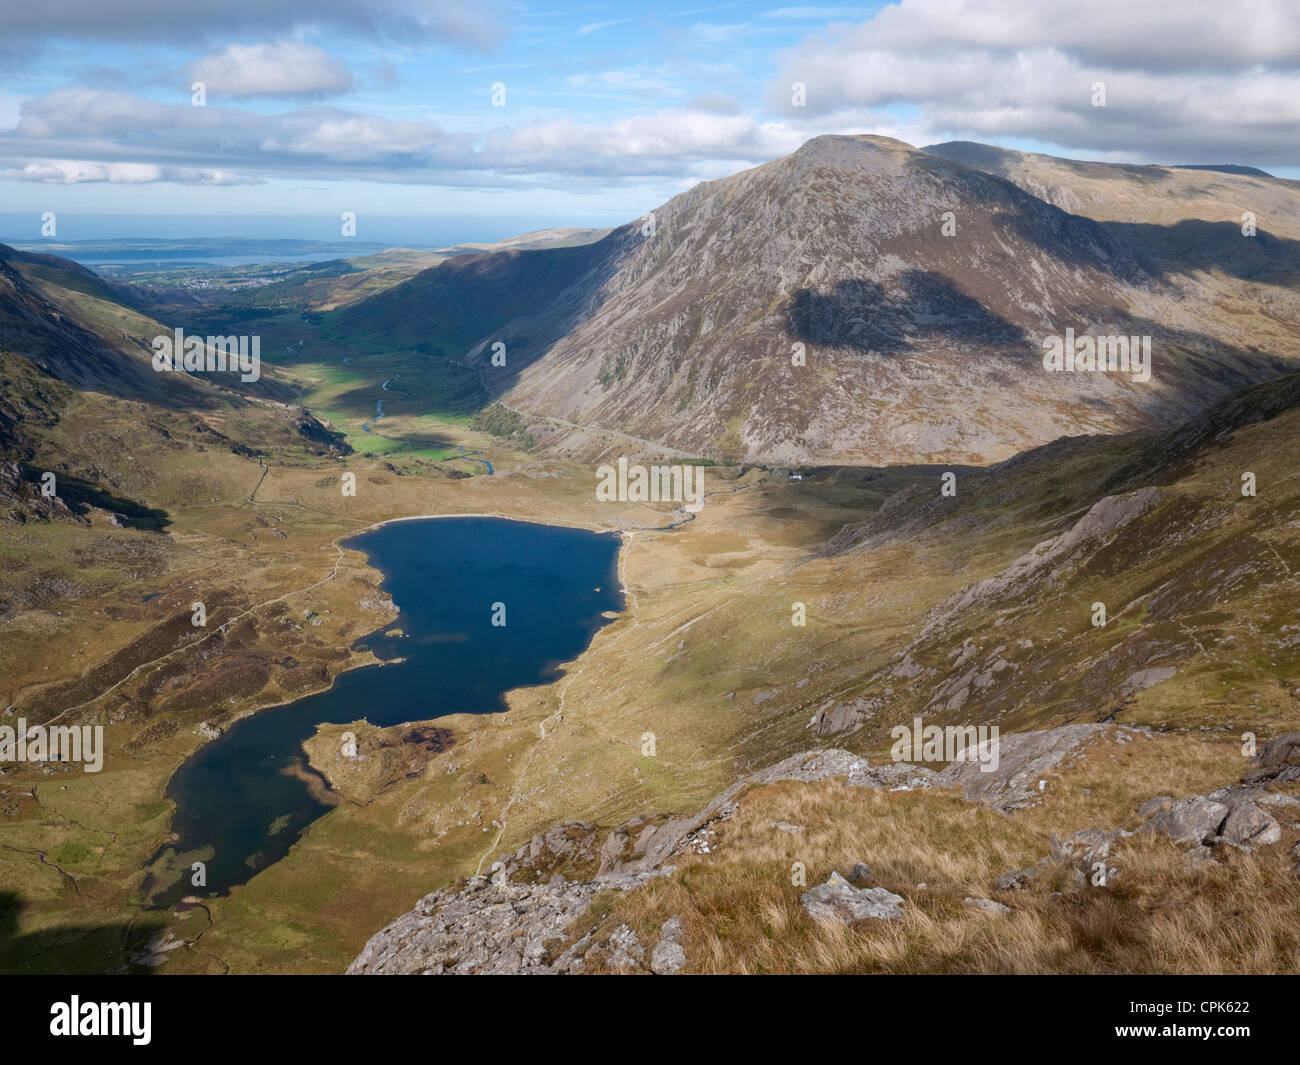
[{"x": 707, "y": 669}]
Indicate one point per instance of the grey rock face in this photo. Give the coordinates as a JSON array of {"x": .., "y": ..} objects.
[
  {"x": 989, "y": 906},
  {"x": 1279, "y": 761},
  {"x": 838, "y": 900},
  {"x": 843, "y": 717},
  {"x": 1237, "y": 815},
  {"x": 1146, "y": 678},
  {"x": 1023, "y": 758},
  {"x": 668, "y": 957},
  {"x": 495, "y": 929},
  {"x": 1015, "y": 881},
  {"x": 1193, "y": 820},
  {"x": 1249, "y": 825}
]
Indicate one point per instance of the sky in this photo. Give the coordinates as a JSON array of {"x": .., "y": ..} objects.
[{"x": 440, "y": 120}]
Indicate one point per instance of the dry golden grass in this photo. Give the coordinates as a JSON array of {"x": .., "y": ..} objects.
[{"x": 1161, "y": 912}]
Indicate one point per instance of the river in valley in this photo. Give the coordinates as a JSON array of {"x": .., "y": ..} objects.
[{"x": 242, "y": 800}]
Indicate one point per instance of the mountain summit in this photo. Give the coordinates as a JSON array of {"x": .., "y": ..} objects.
[{"x": 858, "y": 301}]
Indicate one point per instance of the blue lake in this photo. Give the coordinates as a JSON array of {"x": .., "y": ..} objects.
[{"x": 242, "y": 800}]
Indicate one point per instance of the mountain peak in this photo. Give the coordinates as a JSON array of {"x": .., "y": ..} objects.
[{"x": 841, "y": 149}]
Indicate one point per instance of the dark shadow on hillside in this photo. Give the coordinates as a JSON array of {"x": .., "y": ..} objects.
[
  {"x": 1198, "y": 245},
  {"x": 923, "y": 306},
  {"x": 526, "y": 299},
  {"x": 1078, "y": 242},
  {"x": 1177, "y": 451},
  {"x": 80, "y": 495},
  {"x": 441, "y": 387},
  {"x": 71, "y": 950}
]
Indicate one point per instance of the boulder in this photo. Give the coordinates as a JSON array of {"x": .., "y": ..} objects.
[
  {"x": 989, "y": 906},
  {"x": 1247, "y": 824},
  {"x": 1278, "y": 761},
  {"x": 1194, "y": 820},
  {"x": 1015, "y": 881},
  {"x": 839, "y": 901},
  {"x": 668, "y": 957}
]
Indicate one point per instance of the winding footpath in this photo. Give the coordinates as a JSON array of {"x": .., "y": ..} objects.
[
  {"x": 219, "y": 629},
  {"x": 557, "y": 715}
]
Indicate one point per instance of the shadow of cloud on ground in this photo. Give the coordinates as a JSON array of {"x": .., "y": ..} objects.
[
  {"x": 924, "y": 306},
  {"x": 80, "y": 495},
  {"x": 526, "y": 299},
  {"x": 1193, "y": 244},
  {"x": 71, "y": 950}
]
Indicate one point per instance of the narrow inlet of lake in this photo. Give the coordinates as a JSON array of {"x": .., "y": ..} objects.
[{"x": 243, "y": 799}]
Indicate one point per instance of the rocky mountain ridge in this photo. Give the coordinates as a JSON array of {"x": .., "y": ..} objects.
[{"x": 862, "y": 302}]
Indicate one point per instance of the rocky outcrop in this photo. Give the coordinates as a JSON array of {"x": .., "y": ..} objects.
[
  {"x": 506, "y": 924},
  {"x": 1278, "y": 762},
  {"x": 1242, "y": 815},
  {"x": 1023, "y": 759},
  {"x": 1189, "y": 820},
  {"x": 839, "y": 901},
  {"x": 842, "y": 717},
  {"x": 518, "y": 920},
  {"x": 1046, "y": 563},
  {"x": 668, "y": 957},
  {"x": 492, "y": 927}
]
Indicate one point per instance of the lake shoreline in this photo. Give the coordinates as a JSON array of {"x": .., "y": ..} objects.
[{"x": 562, "y": 583}]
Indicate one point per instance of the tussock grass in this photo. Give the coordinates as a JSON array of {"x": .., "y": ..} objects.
[{"x": 1161, "y": 912}]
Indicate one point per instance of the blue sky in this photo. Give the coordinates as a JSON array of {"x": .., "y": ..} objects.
[{"x": 385, "y": 107}]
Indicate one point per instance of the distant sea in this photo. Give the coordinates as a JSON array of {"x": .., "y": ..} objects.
[{"x": 206, "y": 235}]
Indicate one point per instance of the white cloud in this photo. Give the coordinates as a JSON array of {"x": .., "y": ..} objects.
[
  {"x": 76, "y": 172},
  {"x": 479, "y": 24},
  {"x": 282, "y": 68},
  {"x": 1182, "y": 82},
  {"x": 640, "y": 80},
  {"x": 592, "y": 27},
  {"x": 334, "y": 143},
  {"x": 667, "y": 142}
]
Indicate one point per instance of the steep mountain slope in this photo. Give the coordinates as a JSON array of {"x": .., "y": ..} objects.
[
  {"x": 1156, "y": 567},
  {"x": 34, "y": 324},
  {"x": 920, "y": 341},
  {"x": 459, "y": 303},
  {"x": 80, "y": 398},
  {"x": 1159, "y": 195}
]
